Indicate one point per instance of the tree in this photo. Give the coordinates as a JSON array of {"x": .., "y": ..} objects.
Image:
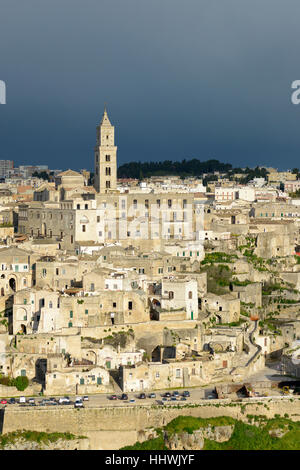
[
  {"x": 43, "y": 175},
  {"x": 21, "y": 382}
]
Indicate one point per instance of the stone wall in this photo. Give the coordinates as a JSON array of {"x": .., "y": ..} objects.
[{"x": 121, "y": 421}]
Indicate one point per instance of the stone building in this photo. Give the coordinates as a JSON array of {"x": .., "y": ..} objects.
[{"x": 15, "y": 269}]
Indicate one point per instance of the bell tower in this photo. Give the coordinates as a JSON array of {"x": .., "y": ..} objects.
[{"x": 105, "y": 157}]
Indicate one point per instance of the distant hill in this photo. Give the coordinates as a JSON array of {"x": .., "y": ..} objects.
[{"x": 184, "y": 168}]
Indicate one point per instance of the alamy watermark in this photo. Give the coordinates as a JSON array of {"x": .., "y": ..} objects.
[
  {"x": 295, "y": 97},
  {"x": 2, "y": 92}
]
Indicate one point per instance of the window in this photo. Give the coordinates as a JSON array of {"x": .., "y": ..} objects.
[
  {"x": 114, "y": 304},
  {"x": 178, "y": 371},
  {"x": 130, "y": 305},
  {"x": 86, "y": 206},
  {"x": 71, "y": 314},
  {"x": 78, "y": 206},
  {"x": 169, "y": 202},
  {"x": 98, "y": 218},
  {"x": 107, "y": 158},
  {"x": 107, "y": 171},
  {"x": 108, "y": 184},
  {"x": 171, "y": 295},
  {"x": 83, "y": 228},
  {"x": 134, "y": 203},
  {"x": 92, "y": 287},
  {"x": 158, "y": 203},
  {"x": 190, "y": 294},
  {"x": 86, "y": 312}
]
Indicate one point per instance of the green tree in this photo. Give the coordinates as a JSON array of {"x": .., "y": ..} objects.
[{"x": 21, "y": 382}]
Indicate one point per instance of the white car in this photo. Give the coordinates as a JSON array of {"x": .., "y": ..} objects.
[
  {"x": 85, "y": 398},
  {"x": 22, "y": 400},
  {"x": 64, "y": 400},
  {"x": 78, "y": 404}
]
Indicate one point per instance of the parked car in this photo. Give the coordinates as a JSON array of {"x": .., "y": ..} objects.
[
  {"x": 78, "y": 404},
  {"x": 64, "y": 400},
  {"x": 31, "y": 400},
  {"x": 22, "y": 400},
  {"x": 45, "y": 401},
  {"x": 152, "y": 395},
  {"x": 142, "y": 396},
  {"x": 174, "y": 398},
  {"x": 186, "y": 394},
  {"x": 124, "y": 396},
  {"x": 3, "y": 401},
  {"x": 85, "y": 398},
  {"x": 132, "y": 400},
  {"x": 175, "y": 394},
  {"x": 113, "y": 397},
  {"x": 12, "y": 401},
  {"x": 167, "y": 395}
]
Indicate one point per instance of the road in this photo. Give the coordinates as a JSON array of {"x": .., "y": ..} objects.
[{"x": 269, "y": 373}]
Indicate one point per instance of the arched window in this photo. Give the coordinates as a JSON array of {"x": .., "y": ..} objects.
[
  {"x": 171, "y": 295},
  {"x": 190, "y": 294}
]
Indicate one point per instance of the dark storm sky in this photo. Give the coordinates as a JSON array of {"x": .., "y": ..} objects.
[{"x": 181, "y": 79}]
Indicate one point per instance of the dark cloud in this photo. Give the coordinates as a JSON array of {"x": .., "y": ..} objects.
[{"x": 193, "y": 78}]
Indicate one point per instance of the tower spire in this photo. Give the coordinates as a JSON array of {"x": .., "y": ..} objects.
[
  {"x": 105, "y": 120},
  {"x": 105, "y": 156}
]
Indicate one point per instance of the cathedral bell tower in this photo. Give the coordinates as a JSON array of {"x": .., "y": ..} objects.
[{"x": 105, "y": 157}]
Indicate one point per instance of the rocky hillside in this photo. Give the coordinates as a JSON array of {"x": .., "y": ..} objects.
[
  {"x": 31, "y": 440},
  {"x": 223, "y": 433}
]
